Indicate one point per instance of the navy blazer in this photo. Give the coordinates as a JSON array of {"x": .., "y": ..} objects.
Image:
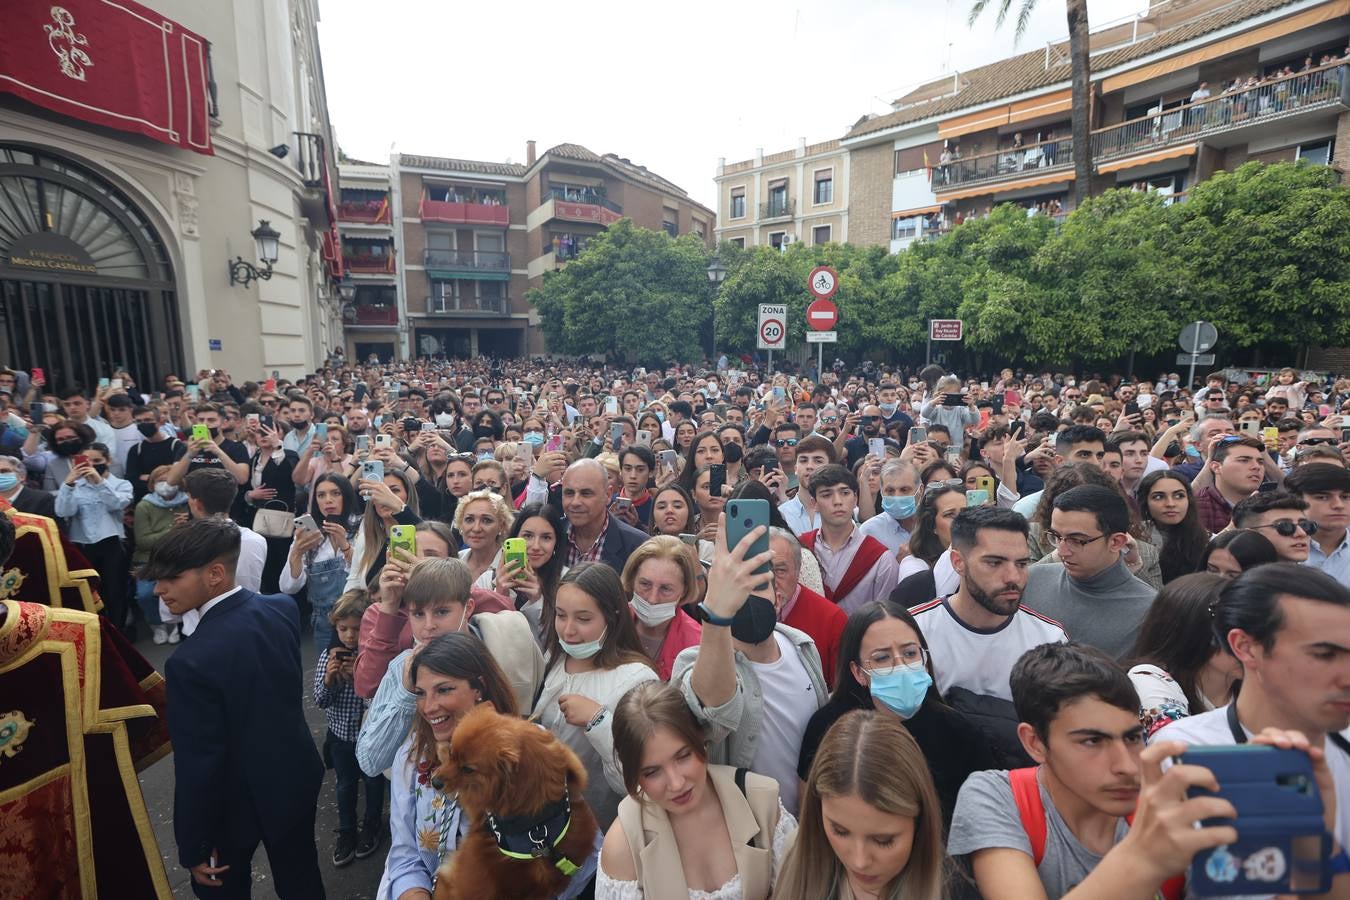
[{"x": 245, "y": 765}]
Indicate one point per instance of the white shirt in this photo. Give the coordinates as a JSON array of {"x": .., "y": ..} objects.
[
  {"x": 247, "y": 575},
  {"x": 978, "y": 659},
  {"x": 789, "y": 702},
  {"x": 887, "y": 529},
  {"x": 1336, "y": 564},
  {"x": 193, "y": 617},
  {"x": 945, "y": 578},
  {"x": 797, "y": 518}
]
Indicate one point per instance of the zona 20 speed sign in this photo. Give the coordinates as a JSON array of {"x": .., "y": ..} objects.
[{"x": 772, "y": 331}]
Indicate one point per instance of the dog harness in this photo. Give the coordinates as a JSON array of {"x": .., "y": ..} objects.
[{"x": 538, "y": 836}]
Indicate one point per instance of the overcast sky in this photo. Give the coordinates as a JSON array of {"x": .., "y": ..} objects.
[{"x": 671, "y": 86}]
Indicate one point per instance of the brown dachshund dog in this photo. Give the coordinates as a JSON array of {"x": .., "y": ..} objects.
[{"x": 520, "y": 789}]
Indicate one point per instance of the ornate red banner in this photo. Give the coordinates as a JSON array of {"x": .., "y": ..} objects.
[{"x": 116, "y": 64}]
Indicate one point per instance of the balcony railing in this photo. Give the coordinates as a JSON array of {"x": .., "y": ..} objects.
[
  {"x": 472, "y": 263},
  {"x": 1268, "y": 101},
  {"x": 778, "y": 209},
  {"x": 468, "y": 306},
  {"x": 369, "y": 212},
  {"x": 366, "y": 264},
  {"x": 465, "y": 213},
  {"x": 309, "y": 158},
  {"x": 1010, "y": 162},
  {"x": 587, "y": 196},
  {"x": 373, "y": 315}
]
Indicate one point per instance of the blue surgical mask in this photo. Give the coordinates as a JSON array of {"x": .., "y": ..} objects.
[
  {"x": 534, "y": 438},
  {"x": 902, "y": 690},
  {"x": 7, "y": 481},
  {"x": 1192, "y": 452},
  {"x": 585, "y": 650},
  {"x": 888, "y": 409},
  {"x": 660, "y": 415},
  {"x": 899, "y": 507}
]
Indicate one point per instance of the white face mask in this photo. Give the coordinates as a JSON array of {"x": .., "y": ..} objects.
[{"x": 652, "y": 614}]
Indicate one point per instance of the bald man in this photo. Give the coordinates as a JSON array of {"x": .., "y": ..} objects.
[{"x": 593, "y": 534}]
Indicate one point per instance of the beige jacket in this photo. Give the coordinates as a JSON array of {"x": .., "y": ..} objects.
[{"x": 511, "y": 642}]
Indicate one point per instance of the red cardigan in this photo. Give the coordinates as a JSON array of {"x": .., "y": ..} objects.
[
  {"x": 824, "y": 622},
  {"x": 683, "y": 631}
]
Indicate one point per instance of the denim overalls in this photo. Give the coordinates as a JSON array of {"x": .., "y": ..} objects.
[{"x": 325, "y": 583}]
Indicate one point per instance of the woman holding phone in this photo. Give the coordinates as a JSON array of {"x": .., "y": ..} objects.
[
  {"x": 484, "y": 519},
  {"x": 533, "y": 588},
  {"x": 321, "y": 552},
  {"x": 391, "y": 501},
  {"x": 271, "y": 485}
]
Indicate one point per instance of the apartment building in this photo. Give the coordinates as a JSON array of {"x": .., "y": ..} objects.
[
  {"x": 1188, "y": 88},
  {"x": 444, "y": 264},
  {"x": 796, "y": 195}
]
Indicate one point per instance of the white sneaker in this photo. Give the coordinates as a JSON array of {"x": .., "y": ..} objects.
[
  {"x": 161, "y": 634},
  {"x": 174, "y": 636}
]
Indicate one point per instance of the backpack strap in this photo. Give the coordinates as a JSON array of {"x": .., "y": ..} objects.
[{"x": 1027, "y": 795}]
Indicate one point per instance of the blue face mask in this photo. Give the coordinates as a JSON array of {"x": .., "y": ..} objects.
[
  {"x": 7, "y": 481},
  {"x": 888, "y": 409},
  {"x": 585, "y": 650},
  {"x": 899, "y": 507},
  {"x": 902, "y": 690},
  {"x": 660, "y": 415},
  {"x": 534, "y": 438},
  {"x": 1192, "y": 452}
]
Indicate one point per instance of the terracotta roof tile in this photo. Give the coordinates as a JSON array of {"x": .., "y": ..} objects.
[
  {"x": 1027, "y": 71},
  {"x": 572, "y": 151},
  {"x": 478, "y": 167}
]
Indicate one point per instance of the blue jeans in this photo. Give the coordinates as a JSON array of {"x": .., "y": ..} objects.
[
  {"x": 349, "y": 777},
  {"x": 148, "y": 602}
]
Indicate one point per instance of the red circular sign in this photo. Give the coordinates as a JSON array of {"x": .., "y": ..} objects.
[
  {"x": 771, "y": 331},
  {"x": 823, "y": 282},
  {"x": 821, "y": 315}
]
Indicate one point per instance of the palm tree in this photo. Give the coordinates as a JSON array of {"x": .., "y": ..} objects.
[{"x": 1079, "y": 64}]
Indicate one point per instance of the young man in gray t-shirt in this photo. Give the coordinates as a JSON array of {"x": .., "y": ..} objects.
[{"x": 1079, "y": 719}]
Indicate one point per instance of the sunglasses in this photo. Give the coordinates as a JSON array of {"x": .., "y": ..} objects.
[
  {"x": 785, "y": 442},
  {"x": 1287, "y": 527},
  {"x": 947, "y": 483},
  {"x": 1316, "y": 442}
]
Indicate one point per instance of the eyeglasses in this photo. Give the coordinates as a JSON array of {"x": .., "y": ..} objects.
[
  {"x": 883, "y": 662},
  {"x": 948, "y": 483},
  {"x": 1286, "y": 527},
  {"x": 1315, "y": 442},
  {"x": 1076, "y": 541},
  {"x": 487, "y": 486},
  {"x": 785, "y": 442}
]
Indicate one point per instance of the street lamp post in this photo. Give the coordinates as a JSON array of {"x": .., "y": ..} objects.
[{"x": 717, "y": 273}]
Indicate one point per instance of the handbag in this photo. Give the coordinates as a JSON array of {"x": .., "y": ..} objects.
[{"x": 274, "y": 523}]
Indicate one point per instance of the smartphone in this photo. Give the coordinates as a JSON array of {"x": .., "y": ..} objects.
[
  {"x": 372, "y": 470},
  {"x": 342, "y": 654},
  {"x": 513, "y": 550},
  {"x": 616, "y": 435},
  {"x": 876, "y": 447},
  {"x": 986, "y": 484},
  {"x": 717, "y": 479},
  {"x": 611, "y": 406},
  {"x": 644, "y": 438},
  {"x": 321, "y": 431},
  {"x": 201, "y": 433},
  {"x": 428, "y": 426},
  {"x": 37, "y": 375},
  {"x": 363, "y": 443},
  {"x": 977, "y": 498},
  {"x": 690, "y": 539},
  {"x": 771, "y": 465},
  {"x": 384, "y": 441},
  {"x": 1345, "y": 434},
  {"x": 744, "y": 515},
  {"x": 918, "y": 434},
  {"x": 403, "y": 537},
  {"x": 1282, "y": 846},
  {"x": 1131, "y": 408},
  {"x": 253, "y": 418},
  {"x": 115, "y": 384},
  {"x": 267, "y": 421},
  {"x": 622, "y": 503},
  {"x": 306, "y": 523},
  {"x": 720, "y": 409},
  {"x": 554, "y": 444},
  {"x": 778, "y": 395},
  {"x": 667, "y": 458},
  {"x": 525, "y": 453},
  {"x": 81, "y": 460},
  {"x": 1270, "y": 434},
  {"x": 953, "y": 456},
  {"x": 1250, "y": 427},
  {"x": 985, "y": 413},
  {"x": 953, "y": 400},
  {"x": 996, "y": 404},
  {"x": 270, "y": 385},
  {"x": 37, "y": 411},
  {"x": 194, "y": 392},
  {"x": 104, "y": 383}
]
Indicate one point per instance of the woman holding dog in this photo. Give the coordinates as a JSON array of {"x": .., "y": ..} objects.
[
  {"x": 451, "y": 674},
  {"x": 594, "y": 658},
  {"x": 686, "y": 829}
]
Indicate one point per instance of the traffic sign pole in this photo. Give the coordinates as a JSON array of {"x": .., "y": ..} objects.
[{"x": 1195, "y": 351}]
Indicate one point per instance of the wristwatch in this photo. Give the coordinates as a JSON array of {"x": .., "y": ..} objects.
[{"x": 713, "y": 618}]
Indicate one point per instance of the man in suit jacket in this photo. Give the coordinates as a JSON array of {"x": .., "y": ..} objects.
[
  {"x": 593, "y": 533},
  {"x": 245, "y": 766},
  {"x": 22, "y": 497}
]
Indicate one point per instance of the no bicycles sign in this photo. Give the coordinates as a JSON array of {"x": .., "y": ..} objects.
[{"x": 772, "y": 332}]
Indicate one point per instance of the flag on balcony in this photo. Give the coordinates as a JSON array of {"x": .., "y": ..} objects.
[{"x": 119, "y": 65}]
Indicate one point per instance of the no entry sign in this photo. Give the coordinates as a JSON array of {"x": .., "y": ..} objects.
[
  {"x": 772, "y": 333},
  {"x": 821, "y": 315}
]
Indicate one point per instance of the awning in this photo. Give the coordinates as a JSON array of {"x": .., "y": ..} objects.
[
  {"x": 119, "y": 65},
  {"x": 1001, "y": 187},
  {"x": 1116, "y": 165},
  {"x": 921, "y": 211},
  {"x": 1008, "y": 113}
]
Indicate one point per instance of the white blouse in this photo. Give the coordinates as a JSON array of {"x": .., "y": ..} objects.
[{"x": 607, "y": 888}]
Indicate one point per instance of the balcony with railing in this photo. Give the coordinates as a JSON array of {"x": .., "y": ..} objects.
[
  {"x": 359, "y": 263},
  {"x": 1007, "y": 164},
  {"x": 784, "y": 208},
  {"x": 575, "y": 205},
  {"x": 455, "y": 305},
  {"x": 364, "y": 211},
  {"x": 370, "y": 316},
  {"x": 479, "y": 265},
  {"x": 309, "y": 158},
  {"x": 1274, "y": 99},
  {"x": 465, "y": 213}
]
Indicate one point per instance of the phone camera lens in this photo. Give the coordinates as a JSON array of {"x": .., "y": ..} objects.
[{"x": 749, "y": 523}]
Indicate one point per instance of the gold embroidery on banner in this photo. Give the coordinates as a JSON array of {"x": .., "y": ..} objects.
[{"x": 66, "y": 43}]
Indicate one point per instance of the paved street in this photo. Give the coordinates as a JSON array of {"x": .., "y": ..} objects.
[{"x": 357, "y": 881}]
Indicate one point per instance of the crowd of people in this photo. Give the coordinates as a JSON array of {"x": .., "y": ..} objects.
[{"x": 956, "y": 657}]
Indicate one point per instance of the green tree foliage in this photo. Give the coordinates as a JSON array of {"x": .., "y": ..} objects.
[
  {"x": 637, "y": 294},
  {"x": 1267, "y": 254}
]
